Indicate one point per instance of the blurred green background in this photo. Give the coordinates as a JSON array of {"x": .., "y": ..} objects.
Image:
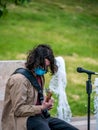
[{"x": 69, "y": 26}]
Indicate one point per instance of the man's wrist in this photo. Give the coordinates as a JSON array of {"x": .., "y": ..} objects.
[{"x": 42, "y": 108}]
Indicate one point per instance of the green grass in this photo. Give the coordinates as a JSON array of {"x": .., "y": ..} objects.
[{"x": 70, "y": 27}]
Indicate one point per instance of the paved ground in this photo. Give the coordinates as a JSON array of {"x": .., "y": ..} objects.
[{"x": 82, "y": 124}]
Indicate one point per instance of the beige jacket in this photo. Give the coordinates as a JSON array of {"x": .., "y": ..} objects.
[{"x": 19, "y": 103}]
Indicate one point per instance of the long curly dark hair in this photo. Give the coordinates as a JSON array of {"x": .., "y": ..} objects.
[{"x": 36, "y": 57}]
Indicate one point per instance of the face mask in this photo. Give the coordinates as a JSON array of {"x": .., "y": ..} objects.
[{"x": 39, "y": 71}]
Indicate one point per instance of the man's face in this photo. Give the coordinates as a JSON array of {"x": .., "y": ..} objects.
[{"x": 47, "y": 64}]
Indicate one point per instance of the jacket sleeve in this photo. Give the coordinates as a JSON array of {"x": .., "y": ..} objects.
[{"x": 18, "y": 92}]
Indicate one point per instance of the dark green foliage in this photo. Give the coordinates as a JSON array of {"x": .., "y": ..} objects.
[{"x": 3, "y": 9}]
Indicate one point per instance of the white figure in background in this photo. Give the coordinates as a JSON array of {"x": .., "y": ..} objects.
[
  {"x": 96, "y": 101},
  {"x": 57, "y": 85}
]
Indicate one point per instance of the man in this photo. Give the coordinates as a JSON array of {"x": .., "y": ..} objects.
[{"x": 23, "y": 109}]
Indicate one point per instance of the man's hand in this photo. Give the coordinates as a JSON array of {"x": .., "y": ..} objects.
[{"x": 48, "y": 105}]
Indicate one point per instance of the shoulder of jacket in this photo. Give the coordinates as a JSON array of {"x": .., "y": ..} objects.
[{"x": 19, "y": 78}]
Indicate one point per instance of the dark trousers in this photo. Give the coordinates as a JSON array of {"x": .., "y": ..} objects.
[{"x": 51, "y": 123}]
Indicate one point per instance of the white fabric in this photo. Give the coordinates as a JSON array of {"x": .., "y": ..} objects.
[
  {"x": 96, "y": 102},
  {"x": 57, "y": 85}
]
